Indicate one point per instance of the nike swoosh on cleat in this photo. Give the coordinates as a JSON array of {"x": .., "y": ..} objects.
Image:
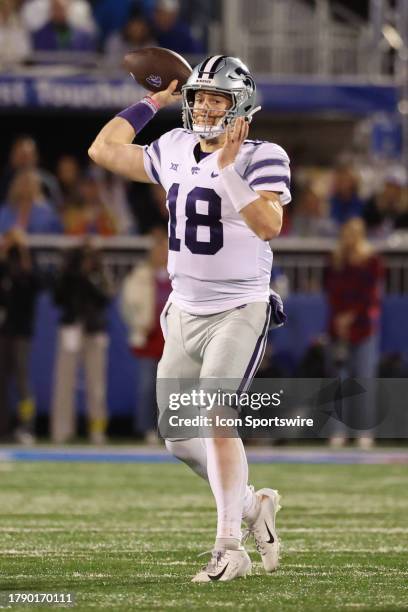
[
  {"x": 213, "y": 175},
  {"x": 220, "y": 575},
  {"x": 271, "y": 538}
]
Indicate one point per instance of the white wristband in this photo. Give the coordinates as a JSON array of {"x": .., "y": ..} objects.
[{"x": 238, "y": 190}]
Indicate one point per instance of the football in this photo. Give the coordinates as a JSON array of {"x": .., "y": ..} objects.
[{"x": 154, "y": 68}]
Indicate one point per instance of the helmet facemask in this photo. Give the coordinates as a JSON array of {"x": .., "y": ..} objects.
[{"x": 207, "y": 130}]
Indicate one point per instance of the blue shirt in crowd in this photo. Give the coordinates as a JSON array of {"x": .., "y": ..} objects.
[
  {"x": 52, "y": 38},
  {"x": 111, "y": 15},
  {"x": 343, "y": 210},
  {"x": 42, "y": 219},
  {"x": 178, "y": 39}
]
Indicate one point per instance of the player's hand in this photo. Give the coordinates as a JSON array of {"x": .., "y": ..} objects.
[
  {"x": 234, "y": 137},
  {"x": 167, "y": 96}
]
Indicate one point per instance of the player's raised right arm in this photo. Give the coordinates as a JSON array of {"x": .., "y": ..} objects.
[{"x": 113, "y": 149}]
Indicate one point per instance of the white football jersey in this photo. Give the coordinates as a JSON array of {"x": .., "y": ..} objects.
[{"x": 216, "y": 262}]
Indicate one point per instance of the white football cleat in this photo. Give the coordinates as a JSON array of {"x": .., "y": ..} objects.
[
  {"x": 225, "y": 566},
  {"x": 263, "y": 528}
]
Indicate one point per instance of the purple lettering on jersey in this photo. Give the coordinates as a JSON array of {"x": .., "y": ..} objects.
[
  {"x": 212, "y": 221},
  {"x": 174, "y": 242}
]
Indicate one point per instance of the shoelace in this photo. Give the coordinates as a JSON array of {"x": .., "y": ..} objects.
[
  {"x": 259, "y": 545},
  {"x": 214, "y": 561},
  {"x": 246, "y": 534}
]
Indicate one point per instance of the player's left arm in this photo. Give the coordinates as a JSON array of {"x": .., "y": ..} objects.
[
  {"x": 265, "y": 215},
  {"x": 262, "y": 214}
]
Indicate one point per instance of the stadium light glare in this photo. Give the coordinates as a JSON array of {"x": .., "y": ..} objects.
[
  {"x": 403, "y": 107},
  {"x": 392, "y": 36}
]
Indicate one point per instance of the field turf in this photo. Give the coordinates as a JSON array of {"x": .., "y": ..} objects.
[{"x": 127, "y": 536}]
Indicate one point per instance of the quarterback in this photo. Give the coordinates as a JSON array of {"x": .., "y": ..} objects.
[{"x": 225, "y": 198}]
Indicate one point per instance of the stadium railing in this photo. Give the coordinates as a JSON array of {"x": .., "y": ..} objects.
[
  {"x": 293, "y": 37},
  {"x": 301, "y": 260}
]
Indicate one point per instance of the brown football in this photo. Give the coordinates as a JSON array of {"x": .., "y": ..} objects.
[{"x": 154, "y": 68}]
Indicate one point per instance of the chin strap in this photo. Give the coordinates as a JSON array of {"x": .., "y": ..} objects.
[
  {"x": 208, "y": 135},
  {"x": 250, "y": 115}
]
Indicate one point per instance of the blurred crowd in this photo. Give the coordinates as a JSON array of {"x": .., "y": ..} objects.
[
  {"x": 107, "y": 27},
  {"x": 84, "y": 201},
  {"x": 325, "y": 199},
  {"x": 81, "y": 289},
  {"x": 79, "y": 199},
  {"x": 74, "y": 199}
]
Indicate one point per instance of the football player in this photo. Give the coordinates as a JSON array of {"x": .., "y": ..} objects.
[{"x": 225, "y": 196}]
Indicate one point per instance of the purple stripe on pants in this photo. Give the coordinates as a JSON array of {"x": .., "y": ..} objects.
[{"x": 257, "y": 355}]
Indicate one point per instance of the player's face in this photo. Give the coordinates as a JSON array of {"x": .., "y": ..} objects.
[{"x": 209, "y": 107}]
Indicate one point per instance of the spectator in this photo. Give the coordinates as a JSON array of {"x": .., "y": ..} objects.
[
  {"x": 111, "y": 15},
  {"x": 82, "y": 291},
  {"x": 35, "y": 14},
  {"x": 58, "y": 34},
  {"x": 19, "y": 288},
  {"x": 89, "y": 214},
  {"x": 113, "y": 190},
  {"x": 200, "y": 15},
  {"x": 24, "y": 156},
  {"x": 14, "y": 38},
  {"x": 27, "y": 208},
  {"x": 383, "y": 213},
  {"x": 80, "y": 16},
  {"x": 354, "y": 283},
  {"x": 144, "y": 295},
  {"x": 135, "y": 34},
  {"x": 68, "y": 174},
  {"x": 345, "y": 202},
  {"x": 170, "y": 31},
  {"x": 309, "y": 218}
]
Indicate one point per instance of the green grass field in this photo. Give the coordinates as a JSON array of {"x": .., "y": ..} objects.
[{"x": 127, "y": 536}]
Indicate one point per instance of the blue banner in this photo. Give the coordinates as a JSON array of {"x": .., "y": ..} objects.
[
  {"x": 307, "y": 320},
  {"x": 356, "y": 99},
  {"x": 95, "y": 93}
]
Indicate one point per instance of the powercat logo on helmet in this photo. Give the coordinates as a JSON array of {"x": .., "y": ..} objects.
[{"x": 244, "y": 76}]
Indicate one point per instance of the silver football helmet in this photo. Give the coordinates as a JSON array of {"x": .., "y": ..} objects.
[{"x": 224, "y": 75}]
